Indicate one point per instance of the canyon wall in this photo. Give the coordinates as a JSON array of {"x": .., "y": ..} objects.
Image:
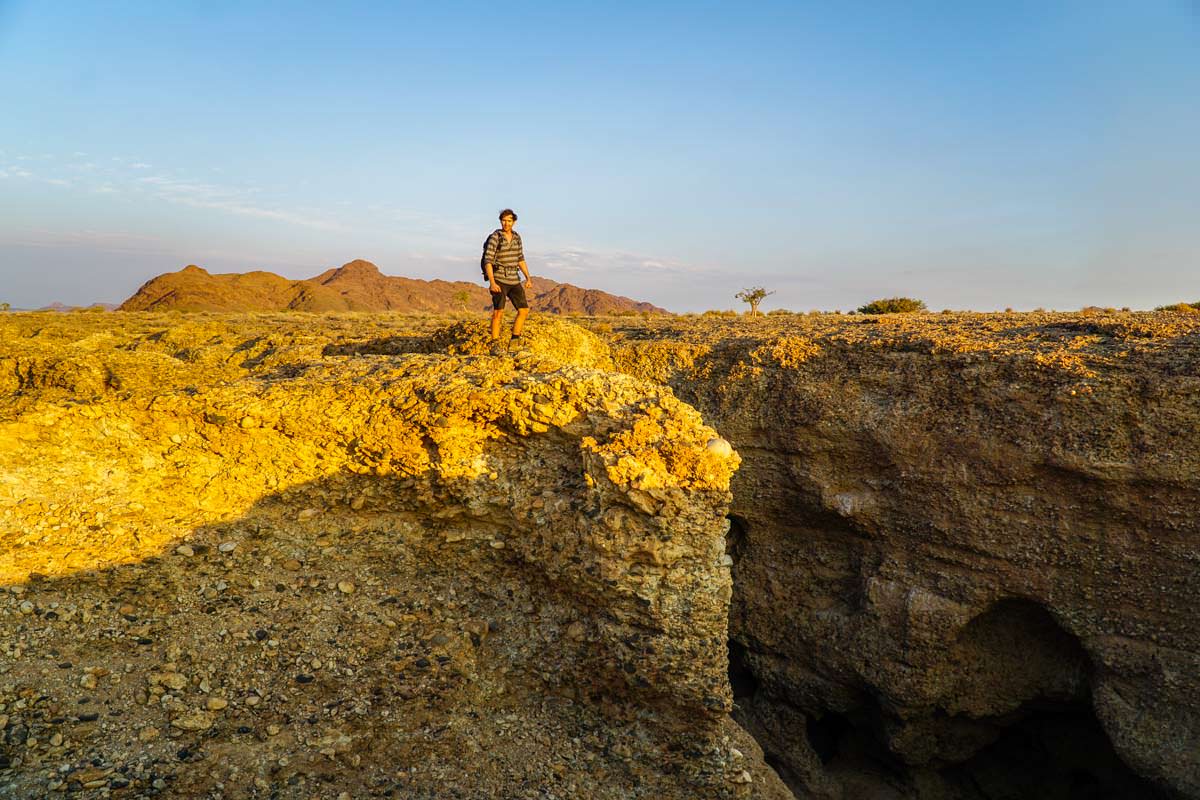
[{"x": 967, "y": 547}]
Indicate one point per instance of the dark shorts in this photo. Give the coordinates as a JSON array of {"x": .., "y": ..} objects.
[{"x": 513, "y": 291}]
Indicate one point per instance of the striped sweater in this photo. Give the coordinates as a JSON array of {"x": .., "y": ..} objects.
[{"x": 504, "y": 256}]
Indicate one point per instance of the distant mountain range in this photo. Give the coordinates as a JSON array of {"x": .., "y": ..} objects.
[{"x": 356, "y": 286}]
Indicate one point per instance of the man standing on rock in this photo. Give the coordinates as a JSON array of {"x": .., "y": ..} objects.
[{"x": 503, "y": 256}]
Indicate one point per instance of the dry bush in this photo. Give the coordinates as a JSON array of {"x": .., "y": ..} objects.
[
  {"x": 893, "y": 305},
  {"x": 1182, "y": 308}
]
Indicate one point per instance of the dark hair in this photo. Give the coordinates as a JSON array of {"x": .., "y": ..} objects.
[{"x": 508, "y": 212}]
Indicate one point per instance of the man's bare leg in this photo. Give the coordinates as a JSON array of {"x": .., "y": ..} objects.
[
  {"x": 518, "y": 323},
  {"x": 497, "y": 315}
]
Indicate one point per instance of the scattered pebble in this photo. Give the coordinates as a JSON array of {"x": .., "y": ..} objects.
[{"x": 193, "y": 721}]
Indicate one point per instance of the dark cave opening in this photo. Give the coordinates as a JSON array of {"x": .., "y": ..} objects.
[
  {"x": 737, "y": 538},
  {"x": 827, "y": 734},
  {"x": 1052, "y": 752},
  {"x": 1055, "y": 752},
  {"x": 1050, "y": 747},
  {"x": 741, "y": 677}
]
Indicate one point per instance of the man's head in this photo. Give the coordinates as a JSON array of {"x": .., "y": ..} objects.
[{"x": 508, "y": 218}]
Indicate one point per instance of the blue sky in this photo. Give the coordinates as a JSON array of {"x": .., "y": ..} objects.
[{"x": 974, "y": 155}]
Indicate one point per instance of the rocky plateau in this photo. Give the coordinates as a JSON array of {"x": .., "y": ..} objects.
[{"x": 355, "y": 555}]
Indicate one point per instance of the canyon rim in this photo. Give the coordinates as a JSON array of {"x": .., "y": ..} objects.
[{"x": 294, "y": 555}]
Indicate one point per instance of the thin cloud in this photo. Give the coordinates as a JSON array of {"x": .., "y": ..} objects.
[
  {"x": 231, "y": 201},
  {"x": 241, "y": 209},
  {"x": 584, "y": 260},
  {"x": 112, "y": 241},
  {"x": 140, "y": 165}
]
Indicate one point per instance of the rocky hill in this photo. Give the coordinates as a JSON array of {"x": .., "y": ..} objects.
[{"x": 356, "y": 286}]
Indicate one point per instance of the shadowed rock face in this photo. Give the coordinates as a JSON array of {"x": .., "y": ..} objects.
[
  {"x": 962, "y": 543},
  {"x": 275, "y": 569}
]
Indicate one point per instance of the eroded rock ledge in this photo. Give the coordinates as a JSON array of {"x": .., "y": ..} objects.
[
  {"x": 968, "y": 546},
  {"x": 244, "y": 562}
]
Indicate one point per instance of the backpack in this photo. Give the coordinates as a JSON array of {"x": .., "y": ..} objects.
[{"x": 483, "y": 256}]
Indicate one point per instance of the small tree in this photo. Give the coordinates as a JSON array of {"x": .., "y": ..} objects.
[
  {"x": 754, "y": 295},
  {"x": 892, "y": 305},
  {"x": 4, "y": 306},
  {"x": 463, "y": 297}
]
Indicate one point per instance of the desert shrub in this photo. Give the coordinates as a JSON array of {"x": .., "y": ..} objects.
[
  {"x": 775, "y": 312},
  {"x": 1182, "y": 308},
  {"x": 892, "y": 305},
  {"x": 712, "y": 312}
]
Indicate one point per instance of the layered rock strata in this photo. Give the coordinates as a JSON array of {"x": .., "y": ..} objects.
[
  {"x": 967, "y": 546},
  {"x": 252, "y": 558}
]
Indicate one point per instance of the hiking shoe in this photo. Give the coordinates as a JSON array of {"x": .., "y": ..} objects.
[{"x": 497, "y": 348}]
